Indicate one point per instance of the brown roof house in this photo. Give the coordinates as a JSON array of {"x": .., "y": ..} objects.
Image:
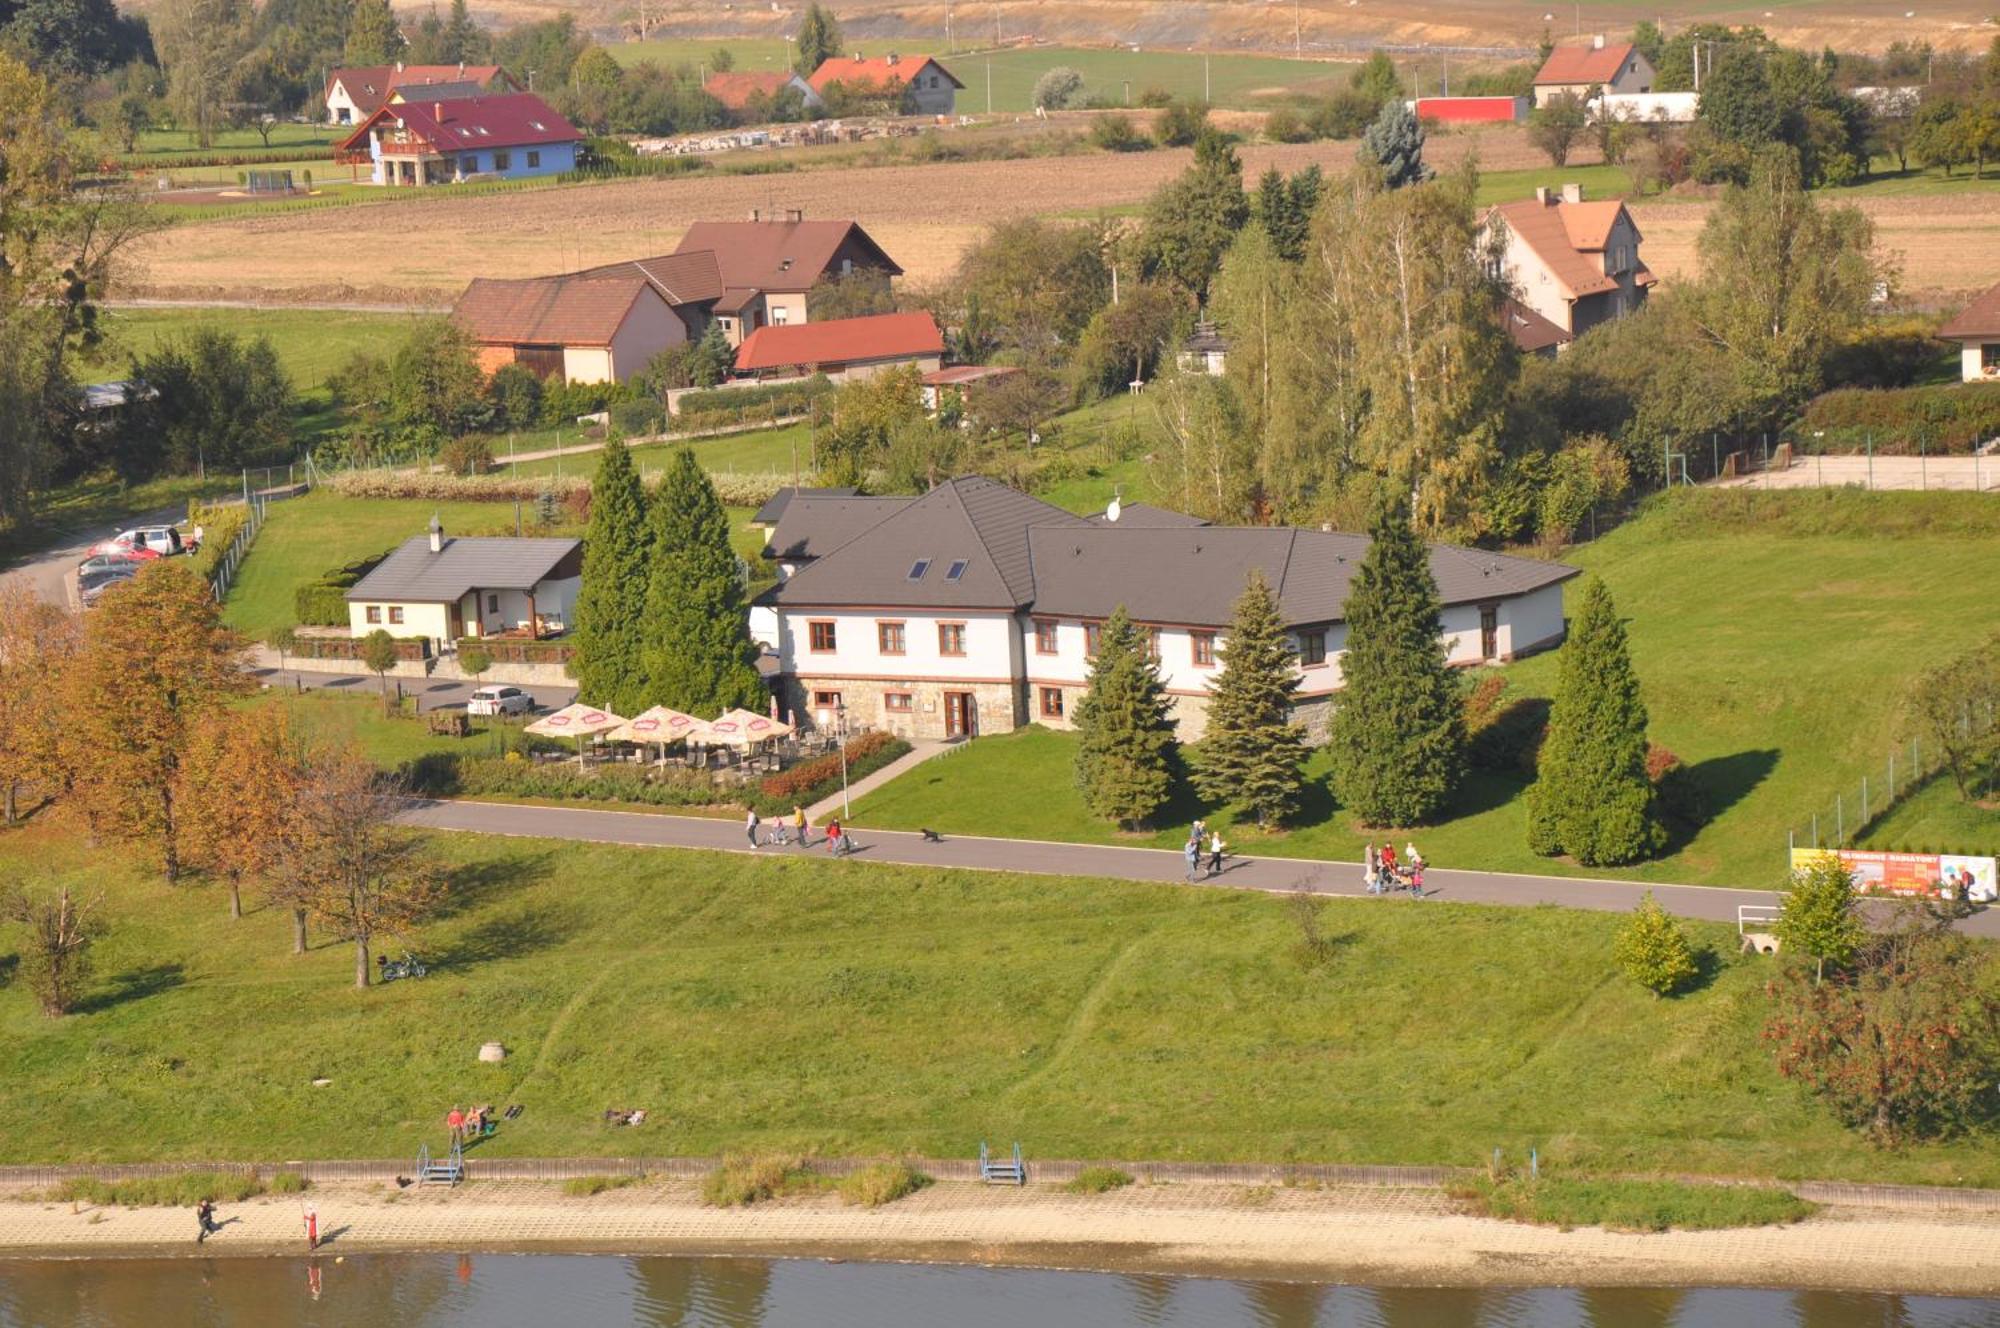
[
  {"x": 1584, "y": 71},
  {"x": 769, "y": 263},
  {"x": 1574, "y": 263},
  {"x": 751, "y": 94},
  {"x": 1977, "y": 331},
  {"x": 976, "y": 609},
  {"x": 600, "y": 325}
]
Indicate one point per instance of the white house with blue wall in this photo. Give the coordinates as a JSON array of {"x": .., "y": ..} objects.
[{"x": 449, "y": 141}]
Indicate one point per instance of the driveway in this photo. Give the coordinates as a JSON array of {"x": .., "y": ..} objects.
[
  {"x": 52, "y": 572},
  {"x": 431, "y": 693}
]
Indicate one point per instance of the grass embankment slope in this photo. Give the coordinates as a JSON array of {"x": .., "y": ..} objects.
[
  {"x": 779, "y": 1005},
  {"x": 1775, "y": 635}
]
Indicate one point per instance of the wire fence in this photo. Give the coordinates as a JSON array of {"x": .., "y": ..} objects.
[{"x": 1856, "y": 808}]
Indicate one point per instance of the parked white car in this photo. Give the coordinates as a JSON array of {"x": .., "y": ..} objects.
[
  {"x": 164, "y": 541},
  {"x": 499, "y": 701}
]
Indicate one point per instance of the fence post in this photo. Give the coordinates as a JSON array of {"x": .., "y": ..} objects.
[
  {"x": 1864, "y": 800},
  {"x": 1870, "y": 438},
  {"x": 1815, "y": 829},
  {"x": 1839, "y": 819}
]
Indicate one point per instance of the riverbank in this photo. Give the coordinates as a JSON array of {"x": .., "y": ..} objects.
[{"x": 1356, "y": 1234}]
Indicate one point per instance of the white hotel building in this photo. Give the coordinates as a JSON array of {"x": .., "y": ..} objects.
[{"x": 975, "y": 608}]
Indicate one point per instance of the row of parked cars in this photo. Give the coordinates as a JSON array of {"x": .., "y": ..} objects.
[{"x": 115, "y": 561}]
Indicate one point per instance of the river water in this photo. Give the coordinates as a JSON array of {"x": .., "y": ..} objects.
[{"x": 502, "y": 1290}]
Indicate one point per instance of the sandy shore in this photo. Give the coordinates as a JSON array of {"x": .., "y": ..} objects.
[{"x": 1377, "y": 1236}]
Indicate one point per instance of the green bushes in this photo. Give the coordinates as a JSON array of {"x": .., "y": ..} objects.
[
  {"x": 719, "y": 407},
  {"x": 742, "y": 1181},
  {"x": 583, "y": 1187},
  {"x": 469, "y": 455},
  {"x": 322, "y": 602},
  {"x": 219, "y": 526},
  {"x": 1633, "y": 1205},
  {"x": 644, "y": 416},
  {"x": 1901, "y": 421},
  {"x": 812, "y": 780},
  {"x": 1116, "y": 133},
  {"x": 1099, "y": 1180},
  {"x": 1285, "y": 125},
  {"x": 447, "y": 774},
  {"x": 881, "y": 1183},
  {"x": 183, "y": 1190}
]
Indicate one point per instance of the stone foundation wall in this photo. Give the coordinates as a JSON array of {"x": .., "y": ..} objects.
[{"x": 998, "y": 705}]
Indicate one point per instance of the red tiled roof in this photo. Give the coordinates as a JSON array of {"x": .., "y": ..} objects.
[
  {"x": 777, "y": 255},
  {"x": 1540, "y": 226},
  {"x": 1981, "y": 318},
  {"x": 883, "y": 71},
  {"x": 737, "y": 88},
  {"x": 877, "y": 337},
  {"x": 968, "y": 373},
  {"x": 369, "y": 86},
  {"x": 1531, "y": 331},
  {"x": 1584, "y": 64},
  {"x": 511, "y": 120}
]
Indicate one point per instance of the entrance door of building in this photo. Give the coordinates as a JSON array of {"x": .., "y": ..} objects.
[
  {"x": 961, "y": 716},
  {"x": 1489, "y": 631}
]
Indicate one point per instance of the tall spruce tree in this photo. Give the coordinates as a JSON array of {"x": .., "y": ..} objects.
[
  {"x": 819, "y": 38},
  {"x": 1592, "y": 799},
  {"x": 698, "y": 653},
  {"x": 1395, "y": 143},
  {"x": 1124, "y": 766},
  {"x": 373, "y": 35},
  {"x": 1252, "y": 753},
  {"x": 1398, "y": 734},
  {"x": 610, "y": 632}
]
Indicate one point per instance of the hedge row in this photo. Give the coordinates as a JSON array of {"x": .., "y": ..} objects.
[
  {"x": 141, "y": 164},
  {"x": 727, "y": 402},
  {"x": 219, "y": 524},
  {"x": 322, "y": 602},
  {"x": 1901, "y": 421},
  {"x": 808, "y": 782},
  {"x": 505, "y": 651},
  {"x": 735, "y": 490},
  {"x": 346, "y": 647}
]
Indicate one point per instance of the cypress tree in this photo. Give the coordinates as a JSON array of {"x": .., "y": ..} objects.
[
  {"x": 1591, "y": 798},
  {"x": 698, "y": 653},
  {"x": 1125, "y": 764},
  {"x": 1252, "y": 753},
  {"x": 819, "y": 38},
  {"x": 611, "y": 603},
  {"x": 1398, "y": 733}
]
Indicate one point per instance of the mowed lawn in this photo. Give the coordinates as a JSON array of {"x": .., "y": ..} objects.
[
  {"x": 847, "y": 1008},
  {"x": 312, "y": 344},
  {"x": 1935, "y": 819},
  {"x": 1775, "y": 636}
]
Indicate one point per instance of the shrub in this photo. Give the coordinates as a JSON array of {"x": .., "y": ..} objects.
[
  {"x": 182, "y": 1190},
  {"x": 1901, "y": 421},
  {"x": 515, "y": 394},
  {"x": 469, "y": 455},
  {"x": 1180, "y": 123},
  {"x": 881, "y": 1183},
  {"x": 451, "y": 488},
  {"x": 219, "y": 524},
  {"x": 1098, "y": 1180},
  {"x": 1057, "y": 89},
  {"x": 720, "y": 407},
  {"x": 1633, "y": 1205},
  {"x": 1285, "y": 125},
  {"x": 1343, "y": 115},
  {"x": 583, "y": 1187},
  {"x": 1675, "y": 792},
  {"x": 1154, "y": 97},
  {"x": 1115, "y": 132},
  {"x": 1885, "y": 353},
  {"x": 1654, "y": 952},
  {"x": 812, "y": 780},
  {"x": 644, "y": 416},
  {"x": 321, "y": 602},
  {"x": 442, "y": 774},
  {"x": 741, "y": 1181},
  {"x": 289, "y": 1182}
]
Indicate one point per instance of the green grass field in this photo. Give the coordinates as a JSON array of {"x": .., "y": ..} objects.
[
  {"x": 763, "y": 1005},
  {"x": 1935, "y": 819},
  {"x": 159, "y": 147},
  {"x": 1236, "y": 81},
  {"x": 311, "y": 343},
  {"x": 757, "y": 452},
  {"x": 1770, "y": 632}
]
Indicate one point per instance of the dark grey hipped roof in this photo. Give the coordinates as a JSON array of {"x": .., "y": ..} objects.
[
  {"x": 1194, "y": 576},
  {"x": 814, "y": 525},
  {"x": 973, "y": 520},
  {"x": 773, "y": 509},
  {"x": 413, "y": 574}
]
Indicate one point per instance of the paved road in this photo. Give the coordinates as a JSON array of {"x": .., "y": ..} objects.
[
  {"x": 52, "y": 571},
  {"x": 1130, "y": 864}
]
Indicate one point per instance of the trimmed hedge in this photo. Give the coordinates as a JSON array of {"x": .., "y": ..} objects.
[
  {"x": 1950, "y": 418},
  {"x": 219, "y": 524},
  {"x": 812, "y": 780},
  {"x": 323, "y": 602},
  {"x": 716, "y": 407},
  {"x": 505, "y": 651},
  {"x": 346, "y": 647}
]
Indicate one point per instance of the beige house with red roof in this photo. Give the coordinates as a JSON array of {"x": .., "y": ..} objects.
[
  {"x": 769, "y": 263},
  {"x": 601, "y": 325},
  {"x": 1572, "y": 262},
  {"x": 1584, "y": 71},
  {"x": 925, "y": 86},
  {"x": 355, "y": 93},
  {"x": 1977, "y": 331},
  {"x": 752, "y": 92}
]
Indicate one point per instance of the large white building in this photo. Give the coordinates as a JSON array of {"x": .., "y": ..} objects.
[
  {"x": 442, "y": 589},
  {"x": 975, "y": 608}
]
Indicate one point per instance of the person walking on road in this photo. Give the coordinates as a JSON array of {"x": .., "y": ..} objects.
[
  {"x": 801, "y": 824},
  {"x": 204, "y": 1216},
  {"x": 1192, "y": 852},
  {"x": 1215, "y": 851},
  {"x": 750, "y": 826}
]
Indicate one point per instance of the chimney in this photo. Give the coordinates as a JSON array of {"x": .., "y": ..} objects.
[
  {"x": 1542, "y": 194},
  {"x": 1572, "y": 193},
  {"x": 893, "y": 57},
  {"x": 437, "y": 111},
  {"x": 437, "y": 534},
  {"x": 1597, "y": 42},
  {"x": 756, "y": 215},
  {"x": 795, "y": 214},
  {"x": 461, "y": 69},
  {"x": 399, "y": 66}
]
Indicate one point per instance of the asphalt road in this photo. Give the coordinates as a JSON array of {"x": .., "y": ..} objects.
[
  {"x": 53, "y": 571},
  {"x": 432, "y": 693},
  {"x": 1130, "y": 864}
]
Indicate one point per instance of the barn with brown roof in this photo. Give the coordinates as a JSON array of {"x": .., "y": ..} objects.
[
  {"x": 600, "y": 325},
  {"x": 842, "y": 348},
  {"x": 921, "y": 85},
  {"x": 750, "y": 94}
]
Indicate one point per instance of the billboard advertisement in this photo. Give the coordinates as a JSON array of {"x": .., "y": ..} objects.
[{"x": 1911, "y": 873}]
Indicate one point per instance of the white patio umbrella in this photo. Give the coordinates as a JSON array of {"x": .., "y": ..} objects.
[
  {"x": 576, "y": 719},
  {"x": 743, "y": 728},
  {"x": 660, "y": 724}
]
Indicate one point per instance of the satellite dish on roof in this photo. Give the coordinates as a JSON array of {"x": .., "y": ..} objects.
[{"x": 1113, "y": 509}]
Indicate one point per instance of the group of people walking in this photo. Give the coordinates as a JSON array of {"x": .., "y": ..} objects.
[
  {"x": 1202, "y": 839},
  {"x": 796, "y": 828},
  {"x": 1384, "y": 872}
]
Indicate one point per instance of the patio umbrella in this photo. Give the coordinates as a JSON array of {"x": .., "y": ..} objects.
[
  {"x": 661, "y": 724},
  {"x": 742, "y": 728},
  {"x": 578, "y": 719}
]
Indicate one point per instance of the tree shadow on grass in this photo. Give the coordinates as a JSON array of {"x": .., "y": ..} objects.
[
  {"x": 9, "y": 964},
  {"x": 488, "y": 882},
  {"x": 508, "y": 935},
  {"x": 134, "y": 984},
  {"x": 1721, "y": 782}
]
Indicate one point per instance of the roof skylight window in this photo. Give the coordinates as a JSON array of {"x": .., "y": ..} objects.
[
  {"x": 955, "y": 571},
  {"x": 918, "y": 568}
]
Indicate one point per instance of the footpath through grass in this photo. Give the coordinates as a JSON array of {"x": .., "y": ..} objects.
[
  {"x": 775, "y": 1005},
  {"x": 1775, "y": 634}
]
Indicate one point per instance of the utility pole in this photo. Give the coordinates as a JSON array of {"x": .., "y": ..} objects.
[
  {"x": 1298, "y": 33},
  {"x": 989, "y": 86},
  {"x": 1206, "y": 95}
]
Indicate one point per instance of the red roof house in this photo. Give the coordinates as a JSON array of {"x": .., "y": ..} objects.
[
  {"x": 1574, "y": 262},
  {"x": 1581, "y": 71},
  {"x": 770, "y": 263},
  {"x": 843, "y": 347},
  {"x": 441, "y": 142},
  {"x": 357, "y": 92},
  {"x": 1976, "y": 328},
  {"x": 603, "y": 324},
  {"x": 754, "y": 89},
  {"x": 925, "y": 86}
]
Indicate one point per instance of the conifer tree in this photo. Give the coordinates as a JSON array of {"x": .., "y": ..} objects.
[
  {"x": 610, "y": 664},
  {"x": 1398, "y": 733},
  {"x": 819, "y": 38},
  {"x": 373, "y": 35},
  {"x": 1124, "y": 766},
  {"x": 1395, "y": 143},
  {"x": 698, "y": 653},
  {"x": 1252, "y": 753},
  {"x": 1592, "y": 799},
  {"x": 1654, "y": 951}
]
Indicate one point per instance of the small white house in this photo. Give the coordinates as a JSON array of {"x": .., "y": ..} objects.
[
  {"x": 1977, "y": 331},
  {"x": 441, "y": 589}
]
